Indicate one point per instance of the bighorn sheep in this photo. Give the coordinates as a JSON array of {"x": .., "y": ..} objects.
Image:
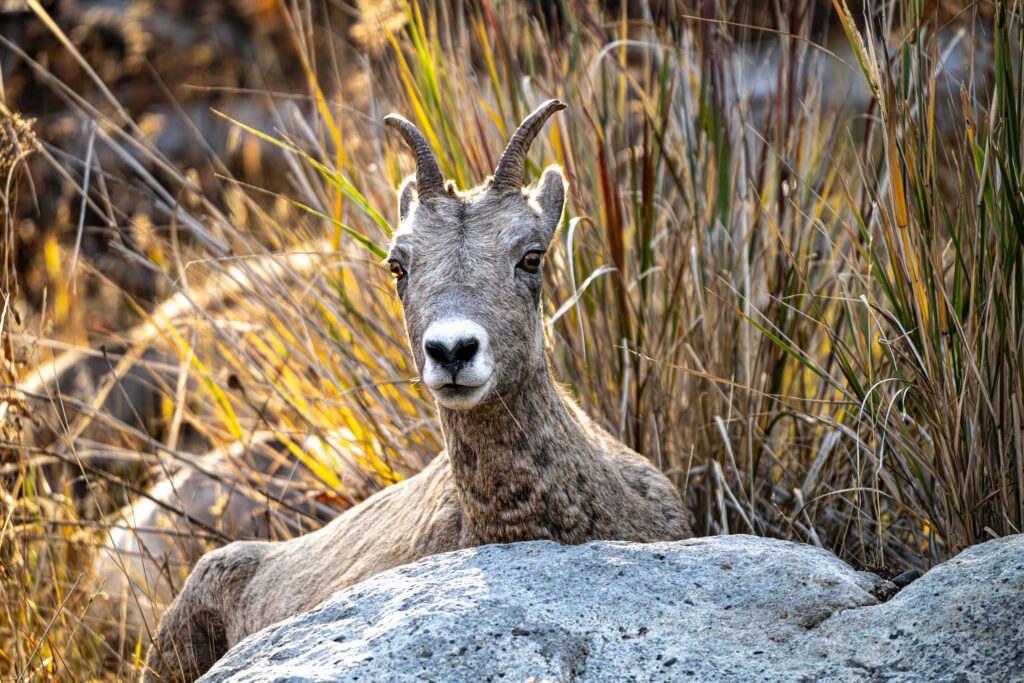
[{"x": 523, "y": 462}]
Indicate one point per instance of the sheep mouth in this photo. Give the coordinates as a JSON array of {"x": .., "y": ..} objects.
[
  {"x": 455, "y": 386},
  {"x": 458, "y": 396}
]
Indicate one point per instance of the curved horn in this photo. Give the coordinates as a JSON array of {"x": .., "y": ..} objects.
[
  {"x": 429, "y": 181},
  {"x": 508, "y": 176}
]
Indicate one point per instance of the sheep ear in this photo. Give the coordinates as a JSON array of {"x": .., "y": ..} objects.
[
  {"x": 406, "y": 196},
  {"x": 550, "y": 196}
]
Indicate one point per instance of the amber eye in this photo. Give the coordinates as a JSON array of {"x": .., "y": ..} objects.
[
  {"x": 531, "y": 262},
  {"x": 396, "y": 269}
]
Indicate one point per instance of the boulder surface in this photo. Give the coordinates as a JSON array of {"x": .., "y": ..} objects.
[{"x": 735, "y": 608}]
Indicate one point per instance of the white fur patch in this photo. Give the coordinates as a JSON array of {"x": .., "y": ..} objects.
[{"x": 472, "y": 379}]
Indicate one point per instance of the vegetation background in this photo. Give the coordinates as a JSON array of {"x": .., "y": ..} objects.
[{"x": 790, "y": 272}]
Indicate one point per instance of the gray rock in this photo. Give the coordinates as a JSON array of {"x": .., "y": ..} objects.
[
  {"x": 962, "y": 621},
  {"x": 735, "y": 608}
]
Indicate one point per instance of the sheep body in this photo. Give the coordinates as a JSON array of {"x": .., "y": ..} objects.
[{"x": 523, "y": 462}]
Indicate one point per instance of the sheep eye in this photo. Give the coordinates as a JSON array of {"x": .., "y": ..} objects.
[
  {"x": 531, "y": 262},
  {"x": 396, "y": 269}
]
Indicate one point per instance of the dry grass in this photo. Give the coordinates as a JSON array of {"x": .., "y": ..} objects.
[{"x": 807, "y": 314}]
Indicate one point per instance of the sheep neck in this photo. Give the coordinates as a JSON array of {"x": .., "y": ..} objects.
[{"x": 523, "y": 466}]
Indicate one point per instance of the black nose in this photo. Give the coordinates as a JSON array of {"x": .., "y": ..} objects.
[{"x": 452, "y": 355}]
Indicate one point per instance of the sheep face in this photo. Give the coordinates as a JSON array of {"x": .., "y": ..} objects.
[
  {"x": 469, "y": 274},
  {"x": 468, "y": 270}
]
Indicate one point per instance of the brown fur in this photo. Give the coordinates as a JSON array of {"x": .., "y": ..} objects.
[{"x": 523, "y": 461}]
